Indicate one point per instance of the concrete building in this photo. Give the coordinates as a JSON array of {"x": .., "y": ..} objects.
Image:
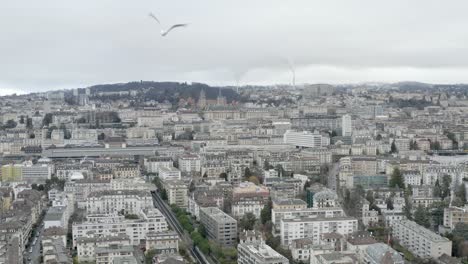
[
  {"x": 149, "y": 220},
  {"x": 421, "y": 241},
  {"x": 189, "y": 163},
  {"x": 220, "y": 227},
  {"x": 306, "y": 139},
  {"x": 177, "y": 192},
  {"x": 327, "y": 212},
  {"x": 56, "y": 216},
  {"x": 112, "y": 253},
  {"x": 380, "y": 253},
  {"x": 313, "y": 227},
  {"x": 152, "y": 165},
  {"x": 36, "y": 173},
  {"x": 11, "y": 173},
  {"x": 258, "y": 253},
  {"x": 86, "y": 246},
  {"x": 346, "y": 126},
  {"x": 169, "y": 173},
  {"x": 248, "y": 198},
  {"x": 454, "y": 215},
  {"x": 127, "y": 201},
  {"x": 163, "y": 242}
]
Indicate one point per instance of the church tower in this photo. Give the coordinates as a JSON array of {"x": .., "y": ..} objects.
[{"x": 202, "y": 99}]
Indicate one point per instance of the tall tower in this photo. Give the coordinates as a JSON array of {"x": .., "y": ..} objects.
[
  {"x": 221, "y": 100},
  {"x": 202, "y": 99},
  {"x": 346, "y": 126}
]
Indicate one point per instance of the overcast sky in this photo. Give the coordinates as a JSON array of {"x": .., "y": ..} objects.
[{"x": 54, "y": 44}]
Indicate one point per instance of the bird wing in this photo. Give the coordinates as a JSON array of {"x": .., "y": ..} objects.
[
  {"x": 154, "y": 17},
  {"x": 174, "y": 26}
]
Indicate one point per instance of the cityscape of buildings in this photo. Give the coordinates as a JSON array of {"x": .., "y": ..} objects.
[{"x": 151, "y": 172}]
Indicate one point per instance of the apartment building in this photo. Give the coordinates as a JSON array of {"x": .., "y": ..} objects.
[
  {"x": 189, "y": 163},
  {"x": 454, "y": 215},
  {"x": 86, "y": 246},
  {"x": 177, "y": 192},
  {"x": 220, "y": 227},
  {"x": 169, "y": 173},
  {"x": 326, "y": 212},
  {"x": 306, "y": 139},
  {"x": 380, "y": 253},
  {"x": 163, "y": 242},
  {"x": 313, "y": 227},
  {"x": 152, "y": 165},
  {"x": 258, "y": 253},
  {"x": 421, "y": 241},
  {"x": 149, "y": 220},
  {"x": 127, "y": 201}
]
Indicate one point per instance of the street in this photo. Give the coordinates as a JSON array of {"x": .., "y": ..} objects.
[
  {"x": 332, "y": 176},
  {"x": 174, "y": 223},
  {"x": 35, "y": 256}
]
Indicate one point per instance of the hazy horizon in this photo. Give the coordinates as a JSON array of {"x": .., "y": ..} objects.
[{"x": 51, "y": 44}]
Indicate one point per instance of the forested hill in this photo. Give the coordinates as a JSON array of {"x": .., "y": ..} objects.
[{"x": 161, "y": 91}]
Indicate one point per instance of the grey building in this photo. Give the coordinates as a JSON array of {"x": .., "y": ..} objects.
[
  {"x": 257, "y": 252},
  {"x": 382, "y": 253},
  {"x": 219, "y": 226}
]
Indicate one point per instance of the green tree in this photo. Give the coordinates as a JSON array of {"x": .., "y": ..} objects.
[
  {"x": 393, "y": 148},
  {"x": 47, "y": 119},
  {"x": 421, "y": 216},
  {"x": 397, "y": 178},
  {"x": 247, "y": 222},
  {"x": 389, "y": 203},
  {"x": 247, "y": 173},
  {"x": 223, "y": 175},
  {"x": 149, "y": 255},
  {"x": 202, "y": 230},
  {"x": 370, "y": 197},
  {"x": 379, "y": 137},
  {"x": 445, "y": 188},
  {"x": 265, "y": 214},
  {"x": 254, "y": 179},
  {"x": 408, "y": 207},
  {"x": 461, "y": 192},
  {"x": 437, "y": 212},
  {"x": 164, "y": 195},
  {"x": 435, "y": 145},
  {"x": 10, "y": 124},
  {"x": 437, "y": 192}
]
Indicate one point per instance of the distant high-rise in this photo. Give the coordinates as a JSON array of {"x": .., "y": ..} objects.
[{"x": 346, "y": 126}]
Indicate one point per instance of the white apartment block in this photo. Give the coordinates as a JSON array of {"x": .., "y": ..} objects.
[
  {"x": 36, "y": 173},
  {"x": 101, "y": 225},
  {"x": 455, "y": 215},
  {"x": 82, "y": 188},
  {"x": 128, "y": 201},
  {"x": 189, "y": 163},
  {"x": 252, "y": 205},
  {"x": 152, "y": 165},
  {"x": 313, "y": 227},
  {"x": 346, "y": 126},
  {"x": 177, "y": 192},
  {"x": 86, "y": 246},
  {"x": 326, "y": 212},
  {"x": 259, "y": 253},
  {"x": 305, "y": 139},
  {"x": 169, "y": 173},
  {"x": 421, "y": 241},
  {"x": 131, "y": 184}
]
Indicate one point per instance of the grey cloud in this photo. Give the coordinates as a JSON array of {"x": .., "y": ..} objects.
[{"x": 52, "y": 44}]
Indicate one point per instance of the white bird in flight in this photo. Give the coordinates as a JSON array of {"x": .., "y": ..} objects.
[{"x": 165, "y": 32}]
